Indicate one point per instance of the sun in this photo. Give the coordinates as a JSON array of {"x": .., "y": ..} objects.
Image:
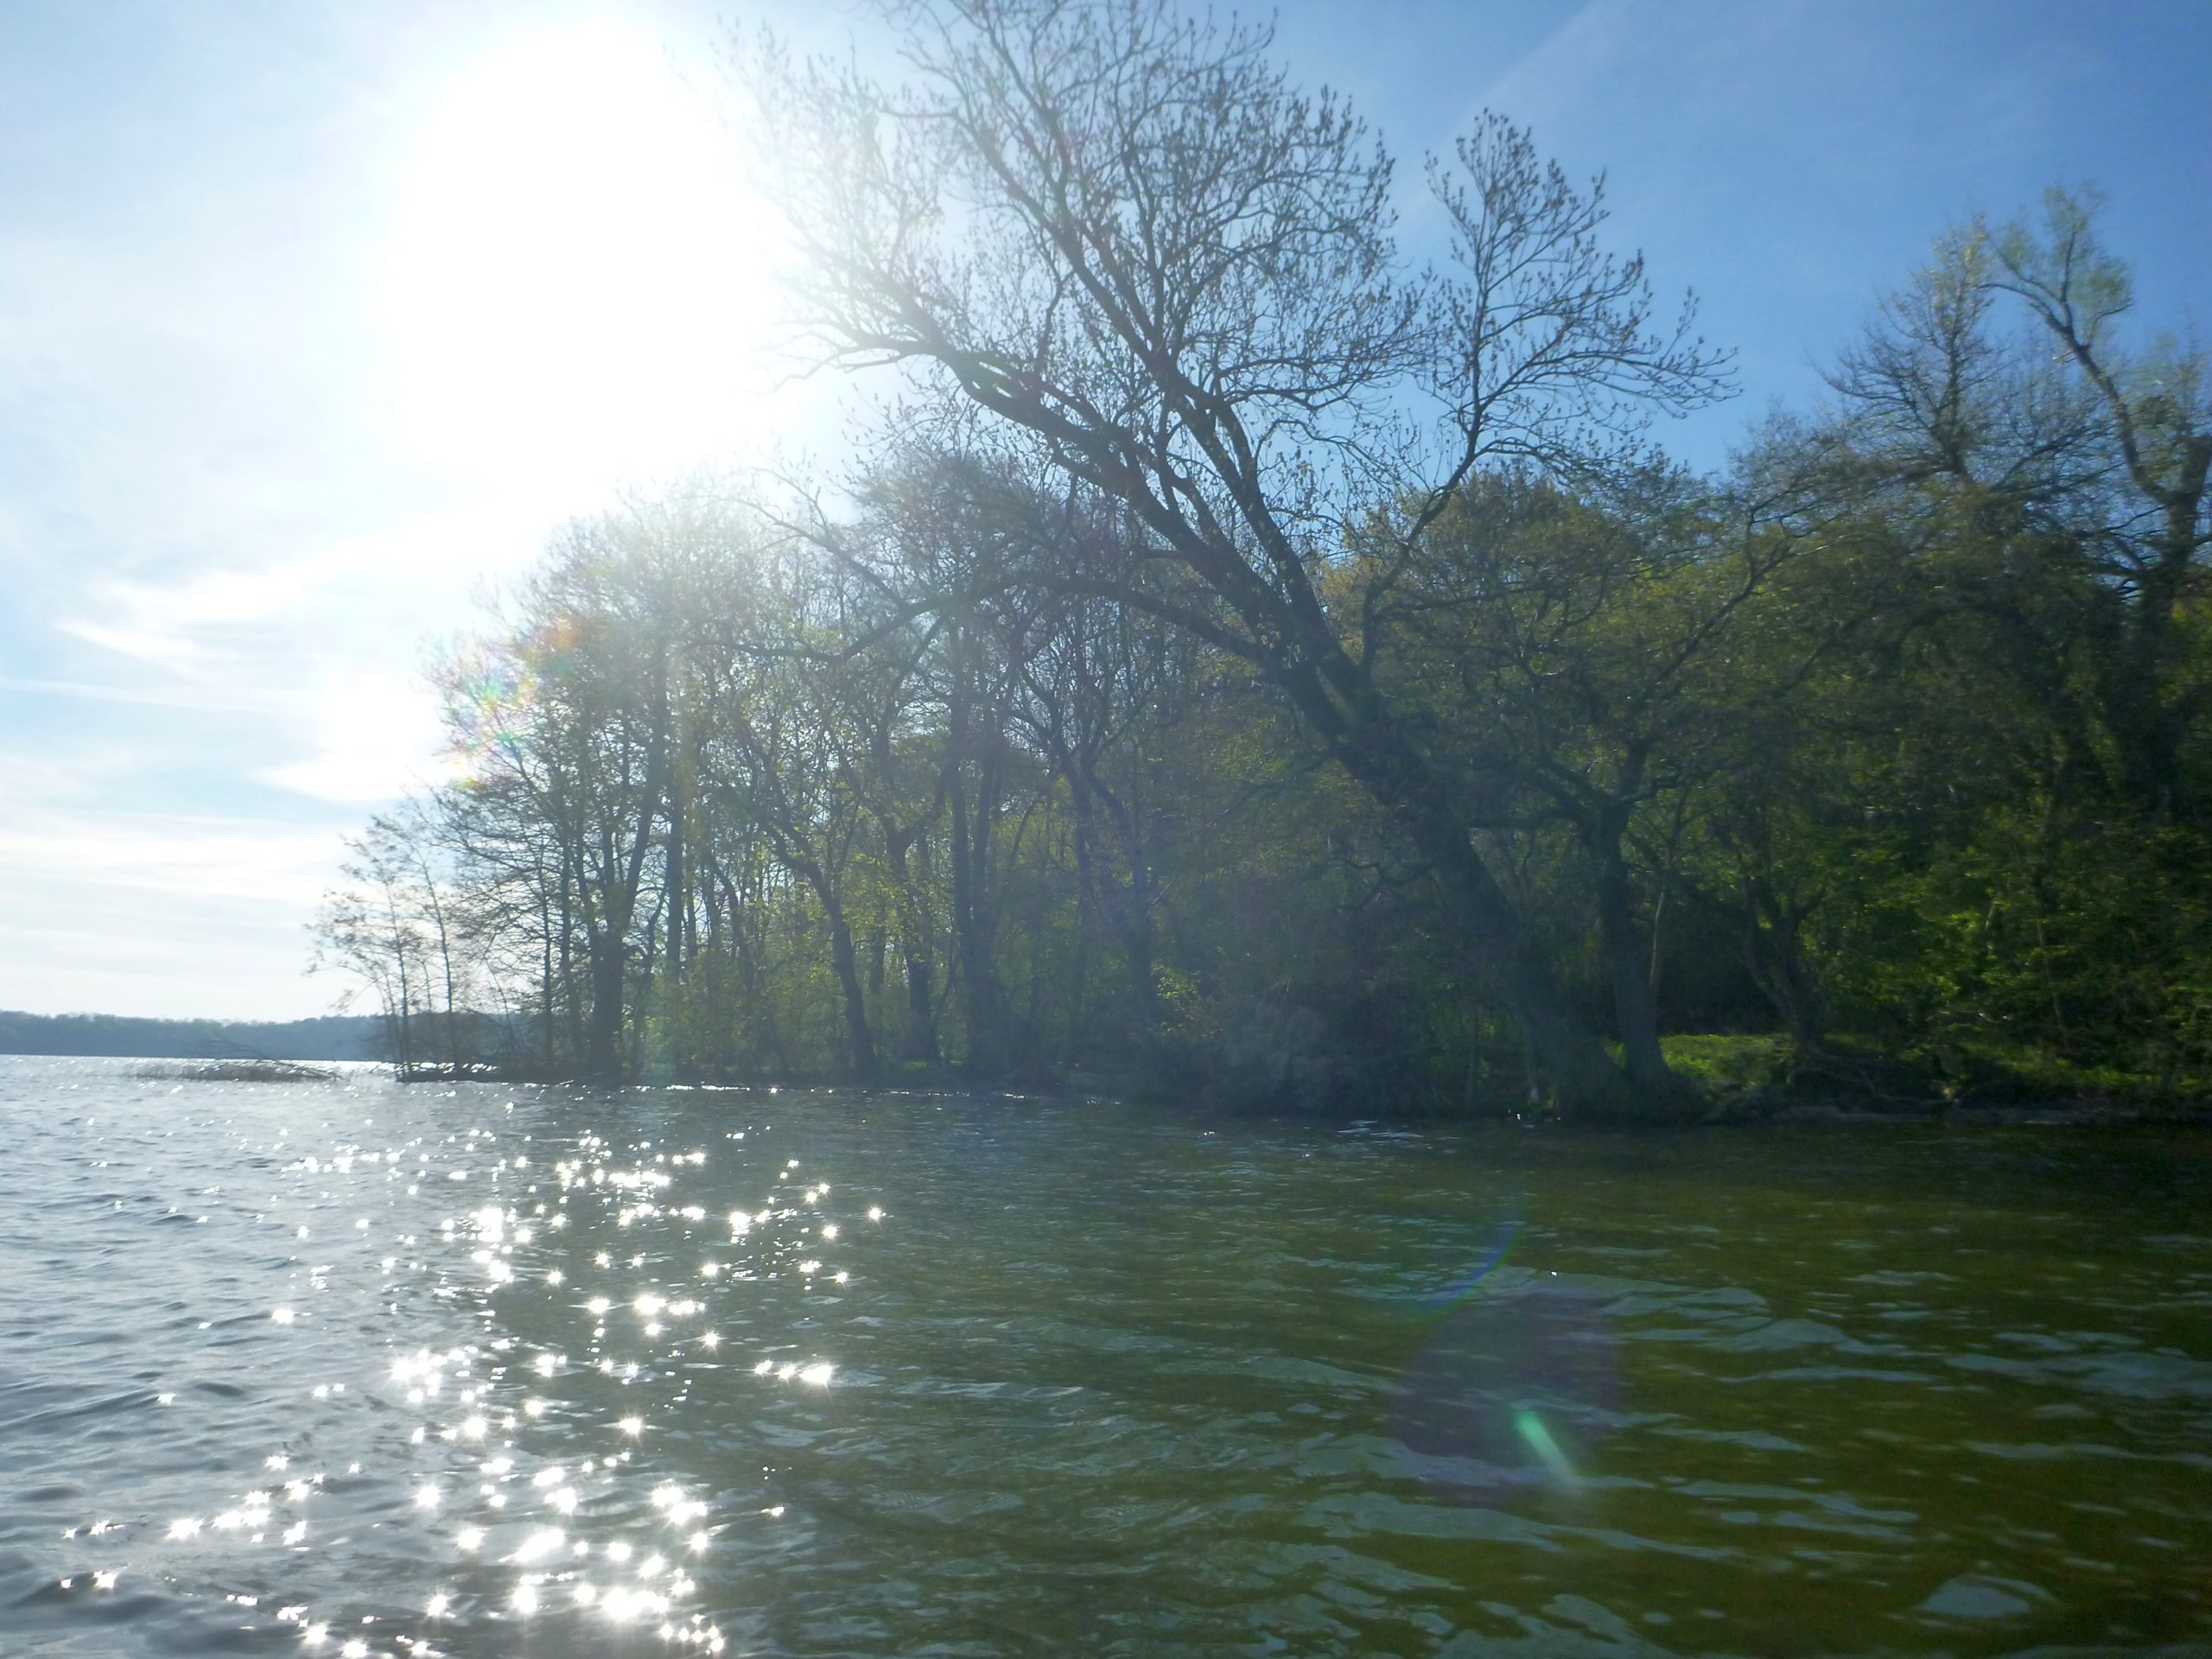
[{"x": 575, "y": 286}]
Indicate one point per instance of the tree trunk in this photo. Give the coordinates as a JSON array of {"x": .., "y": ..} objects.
[
  {"x": 1774, "y": 958},
  {"x": 1127, "y": 915},
  {"x": 1569, "y": 1057},
  {"x": 1628, "y": 955},
  {"x": 919, "y": 1042},
  {"x": 600, "y": 1060},
  {"x": 974, "y": 971},
  {"x": 970, "y": 856},
  {"x": 846, "y": 962},
  {"x": 1635, "y": 1013}
]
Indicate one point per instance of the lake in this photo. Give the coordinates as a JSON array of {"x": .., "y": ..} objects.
[{"x": 352, "y": 1369}]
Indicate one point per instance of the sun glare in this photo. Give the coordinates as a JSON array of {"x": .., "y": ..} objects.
[{"x": 574, "y": 286}]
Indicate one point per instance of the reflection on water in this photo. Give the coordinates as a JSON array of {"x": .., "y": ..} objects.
[
  {"x": 1503, "y": 1385},
  {"x": 353, "y": 1369}
]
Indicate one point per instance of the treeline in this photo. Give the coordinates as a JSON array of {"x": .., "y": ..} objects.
[
  {"x": 328, "y": 1037},
  {"x": 1246, "y": 663}
]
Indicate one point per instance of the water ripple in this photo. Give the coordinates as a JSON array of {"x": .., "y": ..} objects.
[{"x": 349, "y": 1370}]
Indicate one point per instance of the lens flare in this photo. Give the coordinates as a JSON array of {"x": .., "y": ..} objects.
[{"x": 1513, "y": 1383}]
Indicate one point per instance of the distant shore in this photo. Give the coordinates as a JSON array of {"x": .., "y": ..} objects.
[{"x": 319, "y": 1040}]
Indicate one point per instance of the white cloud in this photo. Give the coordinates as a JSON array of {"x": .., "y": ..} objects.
[
  {"x": 279, "y": 399},
  {"x": 218, "y": 700},
  {"x": 179, "y": 855},
  {"x": 373, "y": 738},
  {"x": 168, "y": 914}
]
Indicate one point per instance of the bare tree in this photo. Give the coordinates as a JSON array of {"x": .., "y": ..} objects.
[
  {"x": 2156, "y": 410},
  {"x": 2085, "y": 459},
  {"x": 394, "y": 930},
  {"x": 1124, "y": 235},
  {"x": 779, "y": 757}
]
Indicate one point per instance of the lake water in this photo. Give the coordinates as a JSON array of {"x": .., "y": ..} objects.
[{"x": 349, "y": 1369}]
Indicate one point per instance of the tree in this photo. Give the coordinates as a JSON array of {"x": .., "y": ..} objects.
[
  {"x": 397, "y": 931},
  {"x": 575, "y": 751},
  {"x": 1578, "y": 650},
  {"x": 2062, "y": 492},
  {"x": 1978, "y": 807},
  {"x": 1123, "y": 235},
  {"x": 2156, "y": 428},
  {"x": 779, "y": 757}
]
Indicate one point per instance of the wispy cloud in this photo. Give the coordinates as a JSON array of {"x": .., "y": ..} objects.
[
  {"x": 187, "y": 857},
  {"x": 283, "y": 386},
  {"x": 172, "y": 914},
  {"x": 218, "y": 700}
]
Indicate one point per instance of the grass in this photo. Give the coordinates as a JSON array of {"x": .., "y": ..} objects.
[{"x": 1743, "y": 1075}]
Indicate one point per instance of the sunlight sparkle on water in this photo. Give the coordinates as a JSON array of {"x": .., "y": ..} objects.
[
  {"x": 668, "y": 1498},
  {"x": 540, "y": 1543}
]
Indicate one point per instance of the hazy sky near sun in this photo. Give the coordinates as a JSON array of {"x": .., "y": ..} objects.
[{"x": 317, "y": 317}]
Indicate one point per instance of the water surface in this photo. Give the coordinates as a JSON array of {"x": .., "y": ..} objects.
[{"x": 350, "y": 1369}]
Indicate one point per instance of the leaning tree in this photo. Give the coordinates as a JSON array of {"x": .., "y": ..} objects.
[{"x": 1125, "y": 235}]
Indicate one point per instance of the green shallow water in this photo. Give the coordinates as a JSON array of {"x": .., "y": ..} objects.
[{"x": 285, "y": 1368}]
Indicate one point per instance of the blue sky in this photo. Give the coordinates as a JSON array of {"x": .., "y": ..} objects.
[{"x": 316, "y": 318}]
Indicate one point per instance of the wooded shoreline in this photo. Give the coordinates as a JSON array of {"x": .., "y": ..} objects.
[{"x": 1251, "y": 659}]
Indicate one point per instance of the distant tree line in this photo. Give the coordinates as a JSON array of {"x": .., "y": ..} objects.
[
  {"x": 1244, "y": 660},
  {"x": 326, "y": 1037}
]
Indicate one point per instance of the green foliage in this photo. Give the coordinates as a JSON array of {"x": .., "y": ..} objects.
[
  {"x": 1731, "y": 1063},
  {"x": 1881, "y": 769}
]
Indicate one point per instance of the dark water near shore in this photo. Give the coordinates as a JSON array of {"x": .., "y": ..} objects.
[{"x": 350, "y": 1370}]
